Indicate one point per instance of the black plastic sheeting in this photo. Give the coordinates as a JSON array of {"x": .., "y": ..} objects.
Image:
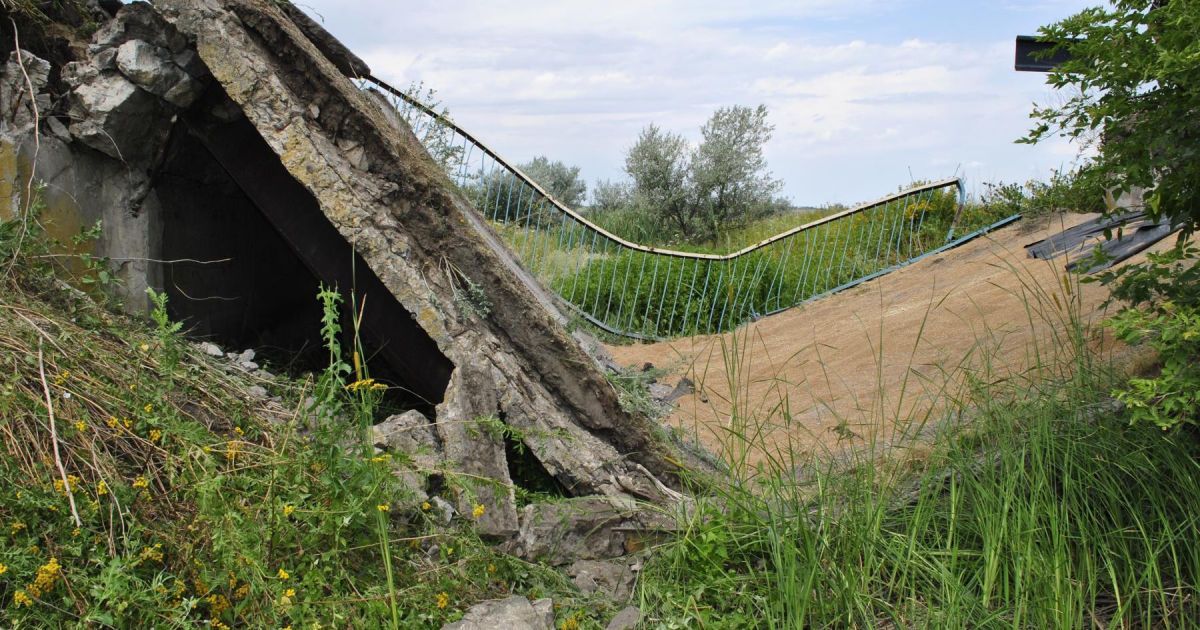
[{"x": 1132, "y": 232}]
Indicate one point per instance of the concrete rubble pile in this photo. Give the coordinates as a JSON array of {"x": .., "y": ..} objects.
[{"x": 156, "y": 75}]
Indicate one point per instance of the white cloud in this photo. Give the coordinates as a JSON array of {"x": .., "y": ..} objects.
[{"x": 576, "y": 81}]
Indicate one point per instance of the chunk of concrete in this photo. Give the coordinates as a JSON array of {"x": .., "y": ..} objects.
[
  {"x": 152, "y": 69},
  {"x": 585, "y": 528},
  {"x": 514, "y": 613},
  {"x": 614, "y": 580},
  {"x": 21, "y": 107},
  {"x": 138, "y": 20},
  {"x": 627, "y": 619},
  {"x": 117, "y": 118}
]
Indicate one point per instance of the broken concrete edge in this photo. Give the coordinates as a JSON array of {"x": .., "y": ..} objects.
[
  {"x": 546, "y": 391},
  {"x": 396, "y": 204}
]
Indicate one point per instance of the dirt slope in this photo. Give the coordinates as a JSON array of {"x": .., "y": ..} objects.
[{"x": 979, "y": 306}]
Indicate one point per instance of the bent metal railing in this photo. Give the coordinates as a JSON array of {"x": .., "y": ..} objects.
[{"x": 646, "y": 292}]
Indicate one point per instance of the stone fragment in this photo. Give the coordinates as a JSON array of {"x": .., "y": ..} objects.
[
  {"x": 514, "y": 613},
  {"x": 627, "y": 619},
  {"x": 119, "y": 119},
  {"x": 257, "y": 391},
  {"x": 151, "y": 68},
  {"x": 443, "y": 510},
  {"x": 211, "y": 349},
  {"x": 138, "y": 21},
  {"x": 412, "y": 434},
  {"x": 17, "y": 103},
  {"x": 585, "y": 528},
  {"x": 614, "y": 580}
]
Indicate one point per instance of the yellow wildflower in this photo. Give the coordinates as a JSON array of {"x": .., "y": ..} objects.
[
  {"x": 47, "y": 575},
  {"x": 101, "y": 488},
  {"x": 239, "y": 431},
  {"x": 113, "y": 423},
  {"x": 443, "y": 599},
  {"x": 155, "y": 435},
  {"x": 128, "y": 424},
  {"x": 288, "y": 510},
  {"x": 3, "y": 568},
  {"x": 478, "y": 510},
  {"x": 144, "y": 347},
  {"x": 283, "y": 574},
  {"x": 491, "y": 568},
  {"x": 218, "y": 603},
  {"x": 383, "y": 507},
  {"x": 141, "y": 482},
  {"x": 21, "y": 599},
  {"x": 80, "y": 426},
  {"x": 149, "y": 408},
  {"x": 17, "y": 526},
  {"x": 59, "y": 486},
  {"x": 291, "y": 592},
  {"x": 76, "y": 532},
  {"x": 368, "y": 384},
  {"x": 242, "y": 591},
  {"x": 425, "y": 506}
]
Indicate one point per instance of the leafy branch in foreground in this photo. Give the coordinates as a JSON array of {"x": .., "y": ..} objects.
[{"x": 1135, "y": 72}]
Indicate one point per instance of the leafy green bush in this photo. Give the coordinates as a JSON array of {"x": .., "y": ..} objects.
[{"x": 1163, "y": 297}]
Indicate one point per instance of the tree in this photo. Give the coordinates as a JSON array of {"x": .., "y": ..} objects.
[
  {"x": 1135, "y": 74},
  {"x": 659, "y": 163},
  {"x": 1135, "y": 69},
  {"x": 722, "y": 181},
  {"x": 729, "y": 171},
  {"x": 609, "y": 195},
  {"x": 561, "y": 181}
]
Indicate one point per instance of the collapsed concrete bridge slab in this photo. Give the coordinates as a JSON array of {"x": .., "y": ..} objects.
[{"x": 240, "y": 137}]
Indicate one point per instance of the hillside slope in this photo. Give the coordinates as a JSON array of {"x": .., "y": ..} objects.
[{"x": 865, "y": 363}]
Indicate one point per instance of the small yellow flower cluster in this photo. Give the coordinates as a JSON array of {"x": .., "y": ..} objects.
[
  {"x": 62, "y": 377},
  {"x": 17, "y": 526},
  {"x": 478, "y": 510},
  {"x": 242, "y": 591},
  {"x": 81, "y": 426},
  {"x": 115, "y": 424},
  {"x": 379, "y": 459},
  {"x": 425, "y": 506},
  {"x": 155, "y": 435},
  {"x": 152, "y": 553},
  {"x": 101, "y": 488},
  {"x": 288, "y": 510},
  {"x": 232, "y": 450},
  {"x": 570, "y": 623},
  {"x": 443, "y": 600},
  {"x": 148, "y": 408},
  {"x": 368, "y": 384},
  {"x": 383, "y": 507},
  {"x": 141, "y": 483},
  {"x": 239, "y": 430},
  {"x": 21, "y": 599},
  {"x": 283, "y": 574},
  {"x": 61, "y": 488},
  {"x": 47, "y": 576},
  {"x": 217, "y": 604},
  {"x": 3, "y": 568}
]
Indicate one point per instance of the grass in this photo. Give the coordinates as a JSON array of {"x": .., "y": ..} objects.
[
  {"x": 1038, "y": 505},
  {"x": 659, "y": 296},
  {"x": 141, "y": 486}
]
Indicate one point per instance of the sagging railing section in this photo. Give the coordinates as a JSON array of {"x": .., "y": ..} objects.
[{"x": 646, "y": 292}]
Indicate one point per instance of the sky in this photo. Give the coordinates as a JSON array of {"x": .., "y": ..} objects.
[{"x": 864, "y": 95}]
